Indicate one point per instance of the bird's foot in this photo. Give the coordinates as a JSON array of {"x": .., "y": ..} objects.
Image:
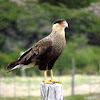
[
  {"x": 54, "y": 81},
  {"x": 47, "y": 82}
]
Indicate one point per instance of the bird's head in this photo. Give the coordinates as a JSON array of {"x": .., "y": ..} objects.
[{"x": 60, "y": 23}]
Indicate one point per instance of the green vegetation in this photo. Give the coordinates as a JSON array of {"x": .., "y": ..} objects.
[
  {"x": 76, "y": 97},
  {"x": 23, "y": 25},
  {"x": 70, "y": 3}
]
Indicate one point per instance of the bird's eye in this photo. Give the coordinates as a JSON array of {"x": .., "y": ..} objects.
[{"x": 61, "y": 22}]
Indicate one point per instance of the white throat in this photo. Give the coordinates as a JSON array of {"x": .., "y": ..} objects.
[
  {"x": 57, "y": 27},
  {"x": 58, "y": 30}
]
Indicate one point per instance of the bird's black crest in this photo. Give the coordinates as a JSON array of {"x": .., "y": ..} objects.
[{"x": 58, "y": 21}]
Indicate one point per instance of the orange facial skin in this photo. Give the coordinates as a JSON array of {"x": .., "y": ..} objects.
[{"x": 63, "y": 23}]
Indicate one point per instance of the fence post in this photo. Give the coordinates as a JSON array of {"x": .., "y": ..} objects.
[
  {"x": 28, "y": 85},
  {"x": 89, "y": 81},
  {"x": 99, "y": 67},
  {"x": 14, "y": 85},
  {"x": 22, "y": 69},
  {"x": 51, "y": 91},
  {"x": 73, "y": 76},
  {"x": 0, "y": 86},
  {"x": 23, "y": 72}
]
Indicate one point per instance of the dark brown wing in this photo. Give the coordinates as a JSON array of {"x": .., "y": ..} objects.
[
  {"x": 39, "y": 49},
  {"x": 15, "y": 63},
  {"x": 25, "y": 53}
]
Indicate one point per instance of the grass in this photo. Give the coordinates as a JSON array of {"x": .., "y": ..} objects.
[
  {"x": 32, "y": 84},
  {"x": 77, "y": 97},
  {"x": 26, "y": 98},
  {"x": 66, "y": 80}
]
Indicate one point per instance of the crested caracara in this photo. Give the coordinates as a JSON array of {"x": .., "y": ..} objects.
[{"x": 45, "y": 52}]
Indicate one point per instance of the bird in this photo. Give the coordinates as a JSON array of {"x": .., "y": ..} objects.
[{"x": 45, "y": 52}]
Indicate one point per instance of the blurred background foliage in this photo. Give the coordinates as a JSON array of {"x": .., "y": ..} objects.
[{"x": 23, "y": 23}]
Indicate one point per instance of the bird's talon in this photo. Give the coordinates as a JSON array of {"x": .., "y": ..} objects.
[
  {"x": 57, "y": 82},
  {"x": 46, "y": 82},
  {"x": 51, "y": 80},
  {"x": 54, "y": 81}
]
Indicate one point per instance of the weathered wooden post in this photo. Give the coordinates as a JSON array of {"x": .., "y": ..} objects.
[{"x": 51, "y": 91}]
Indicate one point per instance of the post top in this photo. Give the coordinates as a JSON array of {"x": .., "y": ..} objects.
[{"x": 54, "y": 84}]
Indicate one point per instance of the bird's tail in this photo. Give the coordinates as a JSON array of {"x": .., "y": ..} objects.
[{"x": 13, "y": 66}]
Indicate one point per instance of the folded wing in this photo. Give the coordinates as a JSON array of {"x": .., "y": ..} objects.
[{"x": 33, "y": 53}]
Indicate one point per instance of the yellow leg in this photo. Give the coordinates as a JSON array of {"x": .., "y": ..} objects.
[
  {"x": 45, "y": 78},
  {"x": 45, "y": 75},
  {"x": 51, "y": 73}
]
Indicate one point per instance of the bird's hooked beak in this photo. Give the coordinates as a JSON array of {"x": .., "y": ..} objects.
[{"x": 64, "y": 24}]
